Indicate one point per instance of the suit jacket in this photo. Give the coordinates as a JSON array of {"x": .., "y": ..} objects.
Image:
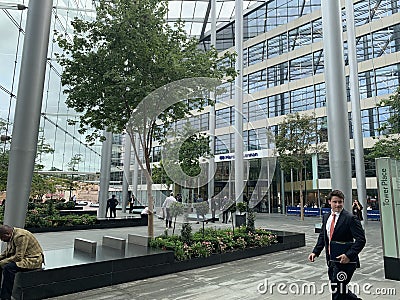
[
  {"x": 347, "y": 229},
  {"x": 23, "y": 249}
]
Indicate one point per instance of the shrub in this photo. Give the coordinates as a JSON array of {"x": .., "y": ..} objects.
[{"x": 205, "y": 243}]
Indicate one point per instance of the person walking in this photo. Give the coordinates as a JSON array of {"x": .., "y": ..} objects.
[
  {"x": 341, "y": 233},
  {"x": 357, "y": 210},
  {"x": 167, "y": 206}
]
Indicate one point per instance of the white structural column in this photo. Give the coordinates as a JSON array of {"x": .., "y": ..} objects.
[
  {"x": 211, "y": 119},
  {"x": 105, "y": 170},
  {"x": 336, "y": 102},
  {"x": 127, "y": 172},
  {"x": 27, "y": 112},
  {"x": 135, "y": 175},
  {"x": 239, "y": 101},
  {"x": 355, "y": 108}
]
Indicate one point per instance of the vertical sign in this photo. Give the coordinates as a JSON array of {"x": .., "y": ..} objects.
[
  {"x": 395, "y": 170},
  {"x": 386, "y": 207}
]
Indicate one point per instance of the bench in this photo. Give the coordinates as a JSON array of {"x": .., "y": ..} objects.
[
  {"x": 136, "y": 239},
  {"x": 67, "y": 271},
  {"x": 114, "y": 242},
  {"x": 85, "y": 245}
]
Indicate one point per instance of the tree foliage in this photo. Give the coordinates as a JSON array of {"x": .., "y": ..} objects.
[
  {"x": 389, "y": 144},
  {"x": 295, "y": 142},
  {"x": 113, "y": 62}
]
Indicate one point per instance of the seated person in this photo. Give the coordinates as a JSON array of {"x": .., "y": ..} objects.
[{"x": 23, "y": 253}]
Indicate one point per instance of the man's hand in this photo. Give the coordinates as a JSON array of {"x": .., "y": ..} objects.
[
  {"x": 343, "y": 259},
  {"x": 311, "y": 257}
]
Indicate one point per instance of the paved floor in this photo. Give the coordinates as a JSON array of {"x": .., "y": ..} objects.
[{"x": 274, "y": 276}]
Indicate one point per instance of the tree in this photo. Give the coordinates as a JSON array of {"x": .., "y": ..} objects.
[
  {"x": 295, "y": 143},
  {"x": 182, "y": 155},
  {"x": 114, "y": 62},
  {"x": 389, "y": 145},
  {"x": 74, "y": 162}
]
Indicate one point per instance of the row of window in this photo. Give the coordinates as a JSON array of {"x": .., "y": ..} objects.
[
  {"x": 255, "y": 139},
  {"x": 279, "y": 12},
  {"x": 381, "y": 81}
]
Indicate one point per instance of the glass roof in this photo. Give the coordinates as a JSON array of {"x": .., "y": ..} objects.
[{"x": 194, "y": 13}]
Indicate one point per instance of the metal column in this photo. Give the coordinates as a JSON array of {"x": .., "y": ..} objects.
[
  {"x": 336, "y": 102},
  {"x": 239, "y": 101},
  {"x": 105, "y": 170},
  {"x": 356, "y": 108},
  {"x": 27, "y": 112},
  {"x": 135, "y": 175},
  {"x": 127, "y": 172},
  {"x": 211, "y": 120}
]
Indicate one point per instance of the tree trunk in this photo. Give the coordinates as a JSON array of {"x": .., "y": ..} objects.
[
  {"x": 301, "y": 194},
  {"x": 149, "y": 185}
]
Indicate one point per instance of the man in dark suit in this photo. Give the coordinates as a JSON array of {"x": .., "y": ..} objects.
[{"x": 340, "y": 226}]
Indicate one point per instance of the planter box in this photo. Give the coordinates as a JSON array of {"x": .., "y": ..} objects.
[
  {"x": 101, "y": 224},
  {"x": 100, "y": 272},
  {"x": 240, "y": 220}
]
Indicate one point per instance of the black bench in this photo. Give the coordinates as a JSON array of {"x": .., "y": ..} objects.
[{"x": 68, "y": 271}]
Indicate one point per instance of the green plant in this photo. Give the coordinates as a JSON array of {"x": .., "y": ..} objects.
[
  {"x": 186, "y": 232},
  {"x": 206, "y": 242},
  {"x": 251, "y": 219},
  {"x": 241, "y": 207}
]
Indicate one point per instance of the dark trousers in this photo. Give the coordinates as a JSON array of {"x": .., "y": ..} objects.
[
  {"x": 113, "y": 212},
  {"x": 225, "y": 215},
  {"x": 340, "y": 276},
  {"x": 8, "y": 275}
]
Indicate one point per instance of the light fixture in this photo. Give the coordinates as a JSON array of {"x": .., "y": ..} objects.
[{"x": 14, "y": 6}]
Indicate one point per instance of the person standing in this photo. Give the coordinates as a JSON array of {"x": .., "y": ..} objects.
[
  {"x": 23, "y": 253},
  {"x": 198, "y": 210},
  {"x": 357, "y": 210},
  {"x": 112, "y": 204},
  {"x": 340, "y": 226},
  {"x": 213, "y": 206},
  {"x": 225, "y": 209},
  {"x": 167, "y": 206},
  {"x": 132, "y": 201}
]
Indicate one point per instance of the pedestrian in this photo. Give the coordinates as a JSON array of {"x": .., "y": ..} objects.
[
  {"x": 112, "y": 204},
  {"x": 132, "y": 201},
  {"x": 357, "y": 209},
  {"x": 167, "y": 206},
  {"x": 225, "y": 209},
  {"x": 343, "y": 238},
  {"x": 23, "y": 253},
  {"x": 213, "y": 206},
  {"x": 198, "y": 210}
]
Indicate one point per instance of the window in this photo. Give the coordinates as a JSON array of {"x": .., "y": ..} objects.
[
  {"x": 277, "y": 45},
  {"x": 277, "y": 75},
  {"x": 256, "y": 54},
  {"x": 320, "y": 95},
  {"x": 278, "y": 105},
  {"x": 258, "y": 110},
  {"x": 302, "y": 99},
  {"x": 301, "y": 67},
  {"x": 256, "y": 81},
  {"x": 222, "y": 144}
]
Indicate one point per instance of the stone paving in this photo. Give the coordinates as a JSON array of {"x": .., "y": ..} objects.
[{"x": 281, "y": 275}]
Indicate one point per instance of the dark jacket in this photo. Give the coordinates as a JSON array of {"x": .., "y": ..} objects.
[{"x": 348, "y": 229}]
